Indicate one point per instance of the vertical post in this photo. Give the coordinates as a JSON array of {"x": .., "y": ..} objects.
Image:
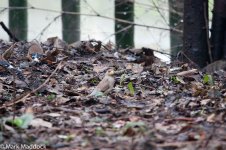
[
  {"x": 176, "y": 9},
  {"x": 124, "y": 9},
  {"x": 71, "y": 22},
  {"x": 18, "y": 19}
]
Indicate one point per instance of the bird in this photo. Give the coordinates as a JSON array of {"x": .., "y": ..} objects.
[
  {"x": 35, "y": 52},
  {"x": 106, "y": 84}
]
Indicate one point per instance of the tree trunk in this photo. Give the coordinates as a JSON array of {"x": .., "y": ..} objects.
[
  {"x": 195, "y": 32},
  {"x": 71, "y": 22},
  {"x": 18, "y": 19},
  {"x": 176, "y": 9},
  {"x": 218, "y": 32},
  {"x": 124, "y": 9}
]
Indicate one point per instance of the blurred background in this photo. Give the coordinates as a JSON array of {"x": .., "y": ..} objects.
[{"x": 157, "y": 24}]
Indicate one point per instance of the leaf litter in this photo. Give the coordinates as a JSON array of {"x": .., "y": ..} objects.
[{"x": 150, "y": 104}]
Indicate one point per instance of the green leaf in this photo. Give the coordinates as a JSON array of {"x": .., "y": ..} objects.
[
  {"x": 99, "y": 131},
  {"x": 177, "y": 80},
  {"x": 51, "y": 97},
  {"x": 67, "y": 138},
  {"x": 17, "y": 122},
  {"x": 208, "y": 79},
  {"x": 131, "y": 89},
  {"x": 135, "y": 124},
  {"x": 23, "y": 121},
  {"x": 94, "y": 81}
]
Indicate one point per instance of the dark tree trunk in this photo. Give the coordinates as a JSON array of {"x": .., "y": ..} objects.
[
  {"x": 18, "y": 19},
  {"x": 218, "y": 36},
  {"x": 176, "y": 9},
  {"x": 71, "y": 22},
  {"x": 195, "y": 32},
  {"x": 124, "y": 9}
]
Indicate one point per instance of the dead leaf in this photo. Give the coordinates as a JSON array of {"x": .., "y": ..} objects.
[
  {"x": 211, "y": 118},
  {"x": 100, "y": 68},
  {"x": 38, "y": 122}
]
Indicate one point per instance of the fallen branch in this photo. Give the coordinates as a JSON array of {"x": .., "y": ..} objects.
[
  {"x": 12, "y": 36},
  {"x": 188, "y": 72},
  {"x": 26, "y": 95}
]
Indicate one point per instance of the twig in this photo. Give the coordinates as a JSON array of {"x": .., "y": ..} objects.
[
  {"x": 6, "y": 55},
  {"x": 12, "y": 36},
  {"x": 75, "y": 111},
  {"x": 48, "y": 25},
  {"x": 163, "y": 18},
  {"x": 122, "y": 30},
  {"x": 192, "y": 62},
  {"x": 206, "y": 142},
  {"x": 26, "y": 95},
  {"x": 188, "y": 72}
]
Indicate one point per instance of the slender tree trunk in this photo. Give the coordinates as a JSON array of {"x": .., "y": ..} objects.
[
  {"x": 218, "y": 32},
  {"x": 124, "y": 9},
  {"x": 176, "y": 9},
  {"x": 71, "y": 22},
  {"x": 18, "y": 19},
  {"x": 195, "y": 32}
]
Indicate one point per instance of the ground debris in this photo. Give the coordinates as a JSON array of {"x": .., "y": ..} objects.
[{"x": 151, "y": 105}]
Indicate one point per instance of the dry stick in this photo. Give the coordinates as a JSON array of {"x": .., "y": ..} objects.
[
  {"x": 6, "y": 55},
  {"x": 159, "y": 12},
  {"x": 75, "y": 111},
  {"x": 207, "y": 33},
  {"x": 122, "y": 30},
  {"x": 47, "y": 26},
  {"x": 205, "y": 144},
  {"x": 192, "y": 62},
  {"x": 9, "y": 32},
  {"x": 187, "y": 73},
  {"x": 24, "y": 97}
]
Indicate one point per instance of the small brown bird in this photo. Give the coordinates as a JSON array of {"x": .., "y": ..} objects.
[
  {"x": 106, "y": 84},
  {"x": 35, "y": 52}
]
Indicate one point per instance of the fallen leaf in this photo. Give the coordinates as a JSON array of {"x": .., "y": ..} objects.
[{"x": 37, "y": 122}]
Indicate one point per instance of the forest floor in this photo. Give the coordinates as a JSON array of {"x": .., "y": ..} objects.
[{"x": 153, "y": 105}]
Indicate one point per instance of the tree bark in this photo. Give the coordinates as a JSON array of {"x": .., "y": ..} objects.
[
  {"x": 218, "y": 32},
  {"x": 18, "y": 19},
  {"x": 195, "y": 32},
  {"x": 71, "y": 22},
  {"x": 124, "y": 9}
]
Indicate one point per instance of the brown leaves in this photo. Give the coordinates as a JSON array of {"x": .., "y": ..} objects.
[
  {"x": 169, "y": 108},
  {"x": 87, "y": 47},
  {"x": 215, "y": 66}
]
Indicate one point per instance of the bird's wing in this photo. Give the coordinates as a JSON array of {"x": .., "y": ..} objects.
[{"x": 104, "y": 84}]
